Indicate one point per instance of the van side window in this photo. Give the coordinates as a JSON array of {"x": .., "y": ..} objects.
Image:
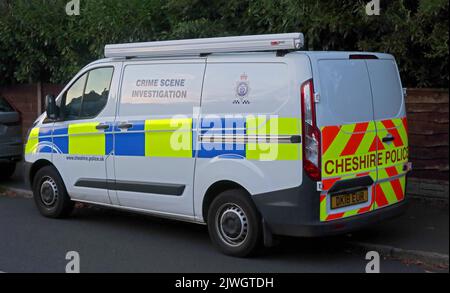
[
  {"x": 88, "y": 95},
  {"x": 96, "y": 92},
  {"x": 73, "y": 98}
]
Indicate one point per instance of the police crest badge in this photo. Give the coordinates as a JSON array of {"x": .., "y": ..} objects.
[{"x": 242, "y": 91}]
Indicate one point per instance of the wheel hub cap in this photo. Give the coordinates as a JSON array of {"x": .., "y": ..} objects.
[
  {"x": 232, "y": 224},
  {"x": 49, "y": 192}
]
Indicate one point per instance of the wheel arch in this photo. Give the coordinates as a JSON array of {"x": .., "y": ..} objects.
[
  {"x": 35, "y": 167},
  {"x": 214, "y": 190}
]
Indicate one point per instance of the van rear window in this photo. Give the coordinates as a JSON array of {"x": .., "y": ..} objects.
[
  {"x": 345, "y": 88},
  {"x": 386, "y": 88},
  {"x": 5, "y": 106}
]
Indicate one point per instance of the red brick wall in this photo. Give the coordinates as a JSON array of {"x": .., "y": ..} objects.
[{"x": 24, "y": 98}]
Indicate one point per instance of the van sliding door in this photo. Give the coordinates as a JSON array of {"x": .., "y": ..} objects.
[{"x": 153, "y": 145}]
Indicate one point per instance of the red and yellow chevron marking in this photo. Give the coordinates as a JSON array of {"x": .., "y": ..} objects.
[
  {"x": 391, "y": 191},
  {"x": 328, "y": 184},
  {"x": 394, "y": 153},
  {"x": 357, "y": 150},
  {"x": 346, "y": 149}
]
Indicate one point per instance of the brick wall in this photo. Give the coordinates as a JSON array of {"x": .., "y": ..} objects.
[{"x": 25, "y": 99}]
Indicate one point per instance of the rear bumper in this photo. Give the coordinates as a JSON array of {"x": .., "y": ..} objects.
[
  {"x": 11, "y": 152},
  {"x": 339, "y": 226},
  {"x": 296, "y": 212}
]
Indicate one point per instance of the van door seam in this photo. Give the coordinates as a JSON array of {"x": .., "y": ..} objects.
[{"x": 198, "y": 122}]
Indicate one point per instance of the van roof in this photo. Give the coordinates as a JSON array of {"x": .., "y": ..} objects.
[{"x": 316, "y": 55}]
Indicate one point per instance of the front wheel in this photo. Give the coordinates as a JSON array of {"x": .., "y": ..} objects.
[
  {"x": 50, "y": 194},
  {"x": 234, "y": 224}
]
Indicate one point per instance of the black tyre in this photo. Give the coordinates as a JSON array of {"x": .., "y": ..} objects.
[
  {"x": 234, "y": 223},
  {"x": 7, "y": 170},
  {"x": 50, "y": 194}
]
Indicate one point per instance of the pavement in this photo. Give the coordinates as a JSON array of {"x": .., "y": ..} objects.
[
  {"x": 17, "y": 180},
  {"x": 420, "y": 235},
  {"x": 114, "y": 241}
]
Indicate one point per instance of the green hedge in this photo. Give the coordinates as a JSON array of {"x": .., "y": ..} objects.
[{"x": 38, "y": 41}]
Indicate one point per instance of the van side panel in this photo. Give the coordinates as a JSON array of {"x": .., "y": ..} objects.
[{"x": 250, "y": 96}]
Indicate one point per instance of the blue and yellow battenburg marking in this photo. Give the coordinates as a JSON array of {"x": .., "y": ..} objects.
[
  {"x": 219, "y": 127},
  {"x": 172, "y": 138},
  {"x": 39, "y": 141}
]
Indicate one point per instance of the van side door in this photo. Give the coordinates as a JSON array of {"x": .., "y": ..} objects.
[
  {"x": 154, "y": 158},
  {"x": 80, "y": 140}
]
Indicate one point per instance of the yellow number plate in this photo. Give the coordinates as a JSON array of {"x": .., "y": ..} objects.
[{"x": 342, "y": 200}]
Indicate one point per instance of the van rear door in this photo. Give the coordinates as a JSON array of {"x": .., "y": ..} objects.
[
  {"x": 345, "y": 115},
  {"x": 392, "y": 137},
  {"x": 362, "y": 117}
]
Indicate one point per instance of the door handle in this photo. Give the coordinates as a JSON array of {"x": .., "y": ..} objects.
[
  {"x": 125, "y": 125},
  {"x": 296, "y": 139},
  {"x": 102, "y": 126},
  {"x": 388, "y": 138}
]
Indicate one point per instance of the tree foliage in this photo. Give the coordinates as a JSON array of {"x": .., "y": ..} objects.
[{"x": 39, "y": 42}]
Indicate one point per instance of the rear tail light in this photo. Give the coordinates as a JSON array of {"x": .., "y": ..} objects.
[{"x": 311, "y": 133}]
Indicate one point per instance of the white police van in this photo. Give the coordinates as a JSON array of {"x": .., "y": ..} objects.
[{"x": 248, "y": 135}]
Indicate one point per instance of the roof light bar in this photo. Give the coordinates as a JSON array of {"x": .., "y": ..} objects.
[{"x": 275, "y": 42}]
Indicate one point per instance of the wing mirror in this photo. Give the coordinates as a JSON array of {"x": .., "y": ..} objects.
[{"x": 51, "y": 108}]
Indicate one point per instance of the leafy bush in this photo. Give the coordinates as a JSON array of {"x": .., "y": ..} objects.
[{"x": 38, "y": 41}]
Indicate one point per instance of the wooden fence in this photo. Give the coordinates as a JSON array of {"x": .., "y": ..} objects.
[{"x": 428, "y": 132}]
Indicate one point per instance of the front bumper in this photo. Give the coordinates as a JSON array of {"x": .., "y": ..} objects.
[
  {"x": 296, "y": 212},
  {"x": 26, "y": 174}
]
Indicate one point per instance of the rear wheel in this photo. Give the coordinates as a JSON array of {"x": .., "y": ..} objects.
[
  {"x": 234, "y": 224},
  {"x": 50, "y": 194},
  {"x": 7, "y": 170}
]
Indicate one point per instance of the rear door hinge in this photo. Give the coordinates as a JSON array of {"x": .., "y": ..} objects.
[
  {"x": 319, "y": 186},
  {"x": 405, "y": 92},
  {"x": 317, "y": 97}
]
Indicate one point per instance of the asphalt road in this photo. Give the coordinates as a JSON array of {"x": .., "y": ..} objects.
[{"x": 113, "y": 241}]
